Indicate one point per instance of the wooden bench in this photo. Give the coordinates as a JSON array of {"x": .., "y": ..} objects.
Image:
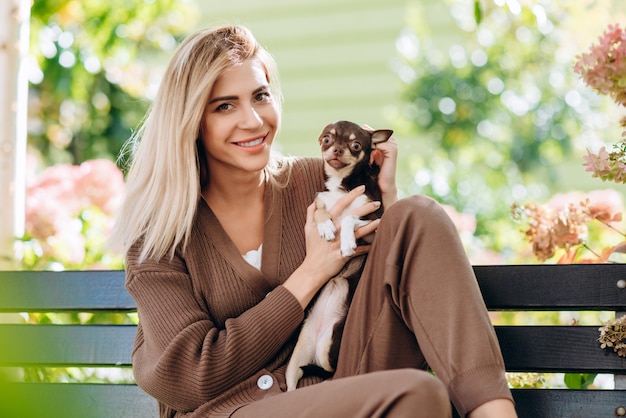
[{"x": 566, "y": 349}]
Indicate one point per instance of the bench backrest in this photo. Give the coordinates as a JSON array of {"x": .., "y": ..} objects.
[
  {"x": 558, "y": 349},
  {"x": 49, "y": 345},
  {"x": 564, "y": 349}
]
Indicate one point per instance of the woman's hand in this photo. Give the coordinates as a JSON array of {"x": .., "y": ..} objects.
[
  {"x": 386, "y": 157},
  {"x": 323, "y": 258},
  {"x": 326, "y": 255}
]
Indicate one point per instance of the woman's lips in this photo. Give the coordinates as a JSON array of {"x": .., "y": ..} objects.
[{"x": 251, "y": 143}]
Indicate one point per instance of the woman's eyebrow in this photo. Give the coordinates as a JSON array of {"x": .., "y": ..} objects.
[
  {"x": 223, "y": 98},
  {"x": 229, "y": 98},
  {"x": 260, "y": 89}
]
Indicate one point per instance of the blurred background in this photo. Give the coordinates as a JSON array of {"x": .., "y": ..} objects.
[{"x": 481, "y": 94}]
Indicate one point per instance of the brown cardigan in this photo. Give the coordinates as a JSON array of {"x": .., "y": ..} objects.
[{"x": 210, "y": 324}]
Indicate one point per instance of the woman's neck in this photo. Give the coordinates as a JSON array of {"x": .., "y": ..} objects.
[
  {"x": 238, "y": 204},
  {"x": 234, "y": 191}
]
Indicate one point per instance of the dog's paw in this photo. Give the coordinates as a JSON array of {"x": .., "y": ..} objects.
[
  {"x": 348, "y": 240},
  {"x": 292, "y": 376},
  {"x": 327, "y": 230},
  {"x": 348, "y": 248}
]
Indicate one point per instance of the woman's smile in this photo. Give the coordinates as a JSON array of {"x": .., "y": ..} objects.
[{"x": 252, "y": 144}]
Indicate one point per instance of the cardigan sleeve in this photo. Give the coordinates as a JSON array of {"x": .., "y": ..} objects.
[{"x": 180, "y": 357}]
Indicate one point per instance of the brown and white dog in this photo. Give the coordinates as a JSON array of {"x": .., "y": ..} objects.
[{"x": 347, "y": 153}]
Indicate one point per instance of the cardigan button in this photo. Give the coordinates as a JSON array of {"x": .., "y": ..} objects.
[{"x": 265, "y": 382}]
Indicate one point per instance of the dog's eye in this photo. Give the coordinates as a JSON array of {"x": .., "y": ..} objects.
[
  {"x": 326, "y": 140},
  {"x": 356, "y": 146}
]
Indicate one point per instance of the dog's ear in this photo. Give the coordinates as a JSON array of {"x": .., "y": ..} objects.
[{"x": 381, "y": 135}]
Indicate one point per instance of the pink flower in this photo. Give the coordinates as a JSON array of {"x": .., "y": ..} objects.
[
  {"x": 603, "y": 68},
  {"x": 62, "y": 191},
  {"x": 597, "y": 163},
  {"x": 465, "y": 223},
  {"x": 102, "y": 184}
]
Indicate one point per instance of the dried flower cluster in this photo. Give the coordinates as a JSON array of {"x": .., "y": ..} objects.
[
  {"x": 606, "y": 165},
  {"x": 603, "y": 69},
  {"x": 550, "y": 229},
  {"x": 613, "y": 335}
]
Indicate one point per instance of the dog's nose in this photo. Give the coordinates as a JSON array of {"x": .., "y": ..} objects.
[{"x": 337, "y": 151}]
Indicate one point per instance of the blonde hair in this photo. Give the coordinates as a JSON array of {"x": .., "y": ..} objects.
[{"x": 167, "y": 171}]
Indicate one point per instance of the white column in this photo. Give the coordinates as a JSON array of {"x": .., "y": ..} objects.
[{"x": 14, "y": 41}]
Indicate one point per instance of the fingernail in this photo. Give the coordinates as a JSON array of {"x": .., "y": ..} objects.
[
  {"x": 377, "y": 204},
  {"x": 361, "y": 188}
]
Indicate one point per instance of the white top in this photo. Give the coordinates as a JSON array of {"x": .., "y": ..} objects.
[{"x": 253, "y": 257}]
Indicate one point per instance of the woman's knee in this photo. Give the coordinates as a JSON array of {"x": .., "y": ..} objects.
[
  {"x": 417, "y": 211},
  {"x": 420, "y": 391}
]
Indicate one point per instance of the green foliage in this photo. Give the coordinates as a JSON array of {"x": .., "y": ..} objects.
[
  {"x": 579, "y": 380},
  {"x": 494, "y": 116},
  {"x": 478, "y": 11},
  {"x": 93, "y": 81}
]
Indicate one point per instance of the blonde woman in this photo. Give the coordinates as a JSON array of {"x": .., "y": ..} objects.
[{"x": 223, "y": 257}]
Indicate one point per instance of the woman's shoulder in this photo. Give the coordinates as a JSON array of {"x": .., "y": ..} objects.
[
  {"x": 308, "y": 164},
  {"x": 298, "y": 169}
]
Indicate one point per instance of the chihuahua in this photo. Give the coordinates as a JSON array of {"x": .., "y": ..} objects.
[{"x": 347, "y": 153}]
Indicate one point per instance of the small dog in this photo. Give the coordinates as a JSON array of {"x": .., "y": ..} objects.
[{"x": 346, "y": 150}]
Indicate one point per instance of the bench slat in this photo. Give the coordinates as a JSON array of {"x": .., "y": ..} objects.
[
  {"x": 74, "y": 400},
  {"x": 552, "y": 287},
  {"x": 129, "y": 401},
  {"x": 506, "y": 287},
  {"x": 572, "y": 349},
  {"x": 64, "y": 345},
  {"x": 49, "y": 291},
  {"x": 525, "y": 348},
  {"x": 552, "y": 403},
  {"x": 557, "y": 403}
]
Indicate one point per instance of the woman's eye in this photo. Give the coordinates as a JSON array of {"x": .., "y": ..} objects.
[
  {"x": 356, "y": 146},
  {"x": 223, "y": 107},
  {"x": 260, "y": 97}
]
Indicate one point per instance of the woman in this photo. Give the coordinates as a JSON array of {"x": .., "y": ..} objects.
[{"x": 223, "y": 257}]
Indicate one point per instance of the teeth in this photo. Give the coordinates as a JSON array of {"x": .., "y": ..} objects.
[{"x": 250, "y": 143}]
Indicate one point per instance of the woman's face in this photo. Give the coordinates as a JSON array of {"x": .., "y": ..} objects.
[{"x": 240, "y": 121}]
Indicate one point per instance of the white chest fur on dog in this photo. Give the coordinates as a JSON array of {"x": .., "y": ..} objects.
[{"x": 348, "y": 223}]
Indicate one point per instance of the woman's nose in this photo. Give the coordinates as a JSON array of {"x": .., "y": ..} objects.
[{"x": 250, "y": 118}]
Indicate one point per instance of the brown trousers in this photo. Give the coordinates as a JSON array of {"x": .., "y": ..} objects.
[{"x": 417, "y": 305}]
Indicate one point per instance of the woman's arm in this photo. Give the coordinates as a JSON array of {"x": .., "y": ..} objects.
[{"x": 181, "y": 357}]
